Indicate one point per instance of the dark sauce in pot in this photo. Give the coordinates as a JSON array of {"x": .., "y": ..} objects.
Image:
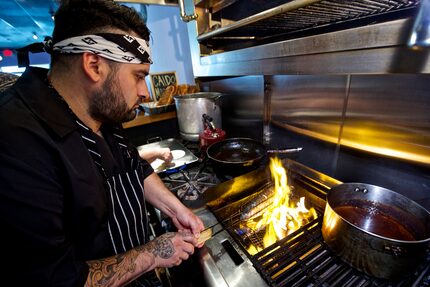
[{"x": 369, "y": 219}]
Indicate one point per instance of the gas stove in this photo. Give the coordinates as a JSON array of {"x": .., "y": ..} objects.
[
  {"x": 190, "y": 182},
  {"x": 300, "y": 259}
]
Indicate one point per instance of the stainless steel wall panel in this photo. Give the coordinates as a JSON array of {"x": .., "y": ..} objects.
[
  {"x": 242, "y": 104},
  {"x": 311, "y": 106},
  {"x": 389, "y": 115},
  {"x": 377, "y": 131}
]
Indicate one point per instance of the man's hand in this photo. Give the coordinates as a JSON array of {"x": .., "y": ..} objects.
[
  {"x": 184, "y": 219},
  {"x": 172, "y": 248},
  {"x": 165, "y": 154},
  {"x": 188, "y": 221},
  {"x": 156, "y": 153}
]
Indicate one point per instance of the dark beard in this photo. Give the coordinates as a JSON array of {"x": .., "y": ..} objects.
[{"x": 107, "y": 105}]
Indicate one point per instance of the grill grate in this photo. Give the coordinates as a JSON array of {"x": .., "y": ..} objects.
[
  {"x": 303, "y": 259},
  {"x": 320, "y": 14},
  {"x": 324, "y": 13}
]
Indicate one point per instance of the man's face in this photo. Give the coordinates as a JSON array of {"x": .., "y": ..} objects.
[{"x": 120, "y": 95}]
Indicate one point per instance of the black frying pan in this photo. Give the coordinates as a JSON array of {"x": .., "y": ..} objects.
[{"x": 240, "y": 154}]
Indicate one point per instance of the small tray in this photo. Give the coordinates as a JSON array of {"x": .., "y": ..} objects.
[
  {"x": 152, "y": 108},
  {"x": 186, "y": 157}
]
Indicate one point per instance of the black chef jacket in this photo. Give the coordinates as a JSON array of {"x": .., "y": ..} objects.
[{"x": 53, "y": 208}]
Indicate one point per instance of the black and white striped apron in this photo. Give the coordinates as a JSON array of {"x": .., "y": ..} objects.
[
  {"x": 128, "y": 224},
  {"x": 127, "y": 211},
  {"x": 128, "y": 220}
]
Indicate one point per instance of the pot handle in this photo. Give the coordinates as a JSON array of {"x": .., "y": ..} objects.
[{"x": 288, "y": 150}]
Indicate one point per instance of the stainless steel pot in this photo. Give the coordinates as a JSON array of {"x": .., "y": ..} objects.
[
  {"x": 191, "y": 107},
  {"x": 376, "y": 230}
]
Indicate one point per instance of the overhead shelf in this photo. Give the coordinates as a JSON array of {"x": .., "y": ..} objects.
[{"x": 298, "y": 17}]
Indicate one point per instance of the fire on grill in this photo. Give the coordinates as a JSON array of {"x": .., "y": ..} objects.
[
  {"x": 302, "y": 258},
  {"x": 274, "y": 213}
]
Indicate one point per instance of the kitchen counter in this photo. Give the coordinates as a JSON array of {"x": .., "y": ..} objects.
[{"x": 143, "y": 119}]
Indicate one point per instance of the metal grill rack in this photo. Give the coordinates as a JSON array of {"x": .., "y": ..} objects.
[
  {"x": 303, "y": 259},
  {"x": 302, "y": 15}
]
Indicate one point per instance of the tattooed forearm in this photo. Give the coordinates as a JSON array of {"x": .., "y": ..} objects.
[
  {"x": 122, "y": 268},
  {"x": 110, "y": 271}
]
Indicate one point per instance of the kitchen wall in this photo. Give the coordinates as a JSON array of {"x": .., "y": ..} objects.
[
  {"x": 169, "y": 42},
  {"x": 365, "y": 128},
  {"x": 170, "y": 52}
]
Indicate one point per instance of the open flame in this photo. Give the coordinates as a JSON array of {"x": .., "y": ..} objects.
[{"x": 282, "y": 216}]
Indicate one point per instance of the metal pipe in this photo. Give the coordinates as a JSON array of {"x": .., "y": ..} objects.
[
  {"x": 186, "y": 18},
  {"x": 420, "y": 36}
]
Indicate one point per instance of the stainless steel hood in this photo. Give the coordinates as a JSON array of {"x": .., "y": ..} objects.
[{"x": 369, "y": 49}]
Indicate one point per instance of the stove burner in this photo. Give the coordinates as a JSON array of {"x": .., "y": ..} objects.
[{"x": 189, "y": 184}]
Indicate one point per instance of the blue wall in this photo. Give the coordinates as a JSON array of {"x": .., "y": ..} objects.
[
  {"x": 170, "y": 47},
  {"x": 169, "y": 42}
]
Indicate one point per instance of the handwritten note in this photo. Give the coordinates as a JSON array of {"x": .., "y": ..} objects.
[{"x": 160, "y": 81}]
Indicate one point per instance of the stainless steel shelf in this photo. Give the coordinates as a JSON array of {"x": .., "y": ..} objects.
[
  {"x": 373, "y": 49},
  {"x": 299, "y": 15}
]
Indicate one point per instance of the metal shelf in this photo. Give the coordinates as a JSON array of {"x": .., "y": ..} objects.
[
  {"x": 300, "y": 15},
  {"x": 372, "y": 49}
]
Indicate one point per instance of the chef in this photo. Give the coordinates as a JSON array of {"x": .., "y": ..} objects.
[{"x": 73, "y": 190}]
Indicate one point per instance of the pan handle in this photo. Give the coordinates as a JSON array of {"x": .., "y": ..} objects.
[{"x": 288, "y": 150}]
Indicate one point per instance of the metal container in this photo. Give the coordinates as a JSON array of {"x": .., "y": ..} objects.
[
  {"x": 191, "y": 107},
  {"x": 186, "y": 156},
  {"x": 376, "y": 230}
]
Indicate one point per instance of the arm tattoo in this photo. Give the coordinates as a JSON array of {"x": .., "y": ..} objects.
[
  {"x": 108, "y": 271},
  {"x": 162, "y": 246}
]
